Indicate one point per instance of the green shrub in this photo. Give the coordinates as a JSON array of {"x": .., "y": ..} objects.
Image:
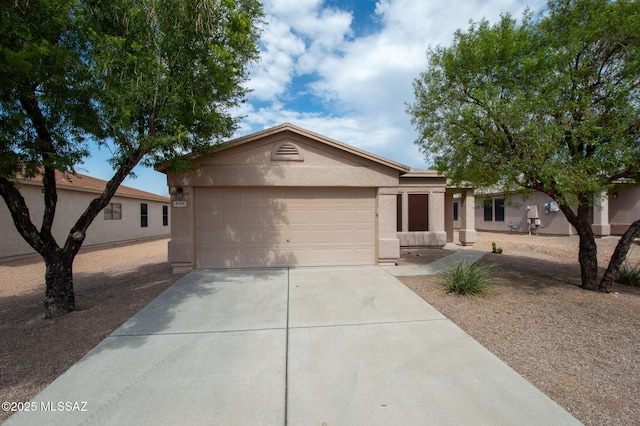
[
  {"x": 629, "y": 275},
  {"x": 468, "y": 279}
]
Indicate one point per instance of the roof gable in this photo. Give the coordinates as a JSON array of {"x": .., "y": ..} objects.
[
  {"x": 319, "y": 138},
  {"x": 282, "y": 130}
]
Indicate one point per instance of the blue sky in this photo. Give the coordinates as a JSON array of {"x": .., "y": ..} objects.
[{"x": 344, "y": 69}]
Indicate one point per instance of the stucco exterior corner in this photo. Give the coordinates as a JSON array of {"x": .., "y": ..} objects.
[
  {"x": 448, "y": 216},
  {"x": 388, "y": 242},
  {"x": 388, "y": 251},
  {"x": 180, "y": 247},
  {"x": 467, "y": 237},
  {"x": 468, "y": 232}
]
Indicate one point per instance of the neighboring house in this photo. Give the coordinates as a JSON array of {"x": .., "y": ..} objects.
[
  {"x": 132, "y": 214},
  {"x": 611, "y": 214},
  {"x": 286, "y": 196}
]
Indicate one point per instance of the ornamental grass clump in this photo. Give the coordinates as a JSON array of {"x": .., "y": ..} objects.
[
  {"x": 629, "y": 275},
  {"x": 468, "y": 279}
]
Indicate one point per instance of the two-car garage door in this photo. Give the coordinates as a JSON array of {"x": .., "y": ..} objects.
[{"x": 267, "y": 226}]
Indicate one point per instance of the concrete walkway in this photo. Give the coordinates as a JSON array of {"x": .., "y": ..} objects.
[
  {"x": 459, "y": 254},
  {"x": 300, "y": 346}
]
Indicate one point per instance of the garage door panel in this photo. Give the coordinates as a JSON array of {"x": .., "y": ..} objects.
[
  {"x": 256, "y": 227},
  {"x": 351, "y": 237},
  {"x": 321, "y": 216},
  {"x": 317, "y": 257},
  {"x": 245, "y": 217},
  {"x": 298, "y": 216},
  {"x": 209, "y": 220}
]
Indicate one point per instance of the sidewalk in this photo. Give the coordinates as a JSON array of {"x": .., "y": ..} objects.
[{"x": 459, "y": 254}]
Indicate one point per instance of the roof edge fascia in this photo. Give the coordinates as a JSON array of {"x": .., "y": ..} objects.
[{"x": 150, "y": 197}]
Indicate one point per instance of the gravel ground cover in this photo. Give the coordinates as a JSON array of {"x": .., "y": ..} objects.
[{"x": 580, "y": 348}]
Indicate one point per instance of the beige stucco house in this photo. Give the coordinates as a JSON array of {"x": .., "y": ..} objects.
[
  {"x": 132, "y": 215},
  {"x": 286, "y": 196},
  {"x": 611, "y": 214}
]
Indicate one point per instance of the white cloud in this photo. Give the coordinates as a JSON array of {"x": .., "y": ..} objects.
[
  {"x": 364, "y": 82},
  {"x": 273, "y": 73},
  {"x": 297, "y": 34}
]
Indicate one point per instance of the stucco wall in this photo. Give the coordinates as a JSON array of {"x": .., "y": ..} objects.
[
  {"x": 623, "y": 203},
  {"x": 315, "y": 162},
  {"x": 515, "y": 213},
  {"x": 624, "y": 209},
  {"x": 70, "y": 206},
  {"x": 253, "y": 165}
]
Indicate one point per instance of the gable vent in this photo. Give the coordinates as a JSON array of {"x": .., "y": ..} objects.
[{"x": 286, "y": 151}]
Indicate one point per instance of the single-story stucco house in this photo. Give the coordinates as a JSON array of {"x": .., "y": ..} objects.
[
  {"x": 132, "y": 215},
  {"x": 286, "y": 196},
  {"x": 612, "y": 213}
]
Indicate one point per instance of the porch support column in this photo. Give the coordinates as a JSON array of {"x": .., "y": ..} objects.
[
  {"x": 601, "y": 226},
  {"x": 388, "y": 242},
  {"x": 468, "y": 218},
  {"x": 448, "y": 216},
  {"x": 437, "y": 206}
]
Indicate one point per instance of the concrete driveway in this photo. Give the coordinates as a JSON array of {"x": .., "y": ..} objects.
[{"x": 299, "y": 346}]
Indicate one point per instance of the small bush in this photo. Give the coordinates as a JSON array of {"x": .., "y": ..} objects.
[
  {"x": 468, "y": 279},
  {"x": 629, "y": 275}
]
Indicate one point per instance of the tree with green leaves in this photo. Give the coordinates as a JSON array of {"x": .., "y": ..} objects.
[
  {"x": 550, "y": 103},
  {"x": 146, "y": 79}
]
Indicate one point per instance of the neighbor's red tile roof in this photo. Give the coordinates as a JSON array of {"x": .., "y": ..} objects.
[{"x": 77, "y": 181}]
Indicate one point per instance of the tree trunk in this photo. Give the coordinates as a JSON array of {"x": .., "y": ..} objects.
[
  {"x": 59, "y": 296},
  {"x": 618, "y": 257},
  {"x": 588, "y": 249},
  {"x": 588, "y": 258}
]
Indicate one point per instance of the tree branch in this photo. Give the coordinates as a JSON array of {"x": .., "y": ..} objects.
[
  {"x": 78, "y": 231},
  {"x": 20, "y": 215},
  {"x": 47, "y": 150}
]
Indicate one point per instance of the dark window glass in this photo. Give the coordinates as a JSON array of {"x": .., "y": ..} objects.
[
  {"x": 488, "y": 211},
  {"x": 143, "y": 215},
  {"x": 399, "y": 212},
  {"x": 499, "y": 209},
  {"x": 418, "y": 212},
  {"x": 456, "y": 211},
  {"x": 165, "y": 215}
]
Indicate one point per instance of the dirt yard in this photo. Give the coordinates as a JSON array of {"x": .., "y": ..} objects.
[
  {"x": 580, "y": 348},
  {"x": 110, "y": 284}
]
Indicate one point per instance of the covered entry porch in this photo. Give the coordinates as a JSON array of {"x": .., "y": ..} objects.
[{"x": 425, "y": 211}]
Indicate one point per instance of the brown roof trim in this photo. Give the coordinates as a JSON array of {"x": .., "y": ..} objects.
[{"x": 84, "y": 183}]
